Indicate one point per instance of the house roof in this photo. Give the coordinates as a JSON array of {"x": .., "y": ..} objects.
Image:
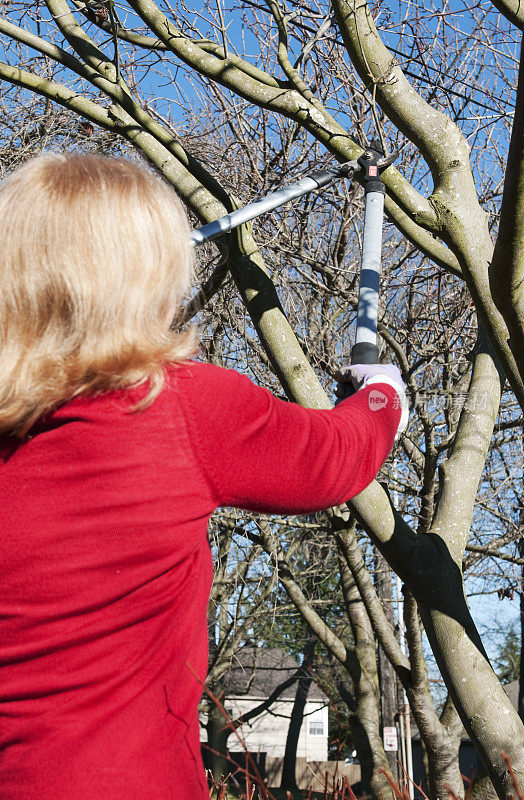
[
  {"x": 258, "y": 671},
  {"x": 512, "y": 690}
]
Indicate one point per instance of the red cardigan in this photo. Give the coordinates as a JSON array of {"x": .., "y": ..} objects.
[{"x": 105, "y": 568}]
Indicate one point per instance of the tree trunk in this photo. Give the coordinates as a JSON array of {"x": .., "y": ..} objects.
[
  {"x": 366, "y": 728},
  {"x": 288, "y": 780},
  {"x": 387, "y": 678},
  {"x": 520, "y": 706},
  {"x": 484, "y": 707},
  {"x": 217, "y": 736},
  {"x": 360, "y": 725}
]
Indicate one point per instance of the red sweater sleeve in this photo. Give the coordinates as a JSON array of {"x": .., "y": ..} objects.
[{"x": 264, "y": 454}]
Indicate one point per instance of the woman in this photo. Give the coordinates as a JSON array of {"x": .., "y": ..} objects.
[{"x": 115, "y": 449}]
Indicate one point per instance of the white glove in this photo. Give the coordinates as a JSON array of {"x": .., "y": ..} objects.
[{"x": 353, "y": 377}]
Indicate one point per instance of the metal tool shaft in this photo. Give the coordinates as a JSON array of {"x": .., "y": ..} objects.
[
  {"x": 309, "y": 183},
  {"x": 367, "y": 314},
  {"x": 365, "y": 350}
]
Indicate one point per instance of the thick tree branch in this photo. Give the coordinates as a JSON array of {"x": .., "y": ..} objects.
[
  {"x": 59, "y": 94},
  {"x": 52, "y": 51},
  {"x": 349, "y": 550},
  {"x": 438, "y": 139},
  {"x": 283, "y": 58},
  {"x": 442, "y": 742},
  {"x": 86, "y": 49},
  {"x": 461, "y": 473},
  {"x": 512, "y": 10},
  {"x": 506, "y": 274},
  {"x": 126, "y": 35},
  {"x": 422, "y": 239},
  {"x": 232, "y": 71}
]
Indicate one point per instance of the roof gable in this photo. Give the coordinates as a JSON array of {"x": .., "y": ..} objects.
[{"x": 258, "y": 671}]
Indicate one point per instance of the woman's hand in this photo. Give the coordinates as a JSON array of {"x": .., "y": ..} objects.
[{"x": 353, "y": 377}]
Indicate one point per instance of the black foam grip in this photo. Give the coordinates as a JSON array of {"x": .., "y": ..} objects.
[
  {"x": 364, "y": 353},
  {"x": 324, "y": 176},
  {"x": 374, "y": 186}
]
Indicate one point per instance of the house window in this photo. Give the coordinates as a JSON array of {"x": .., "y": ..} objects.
[{"x": 316, "y": 723}]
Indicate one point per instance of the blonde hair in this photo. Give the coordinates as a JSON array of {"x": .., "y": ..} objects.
[{"x": 95, "y": 261}]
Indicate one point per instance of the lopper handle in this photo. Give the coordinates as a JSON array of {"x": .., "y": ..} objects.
[
  {"x": 365, "y": 349},
  {"x": 316, "y": 180}
]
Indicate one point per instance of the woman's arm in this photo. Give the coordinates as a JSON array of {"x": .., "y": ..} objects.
[{"x": 264, "y": 454}]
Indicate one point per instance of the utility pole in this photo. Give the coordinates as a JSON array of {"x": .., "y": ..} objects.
[
  {"x": 404, "y": 713},
  {"x": 387, "y": 676}
]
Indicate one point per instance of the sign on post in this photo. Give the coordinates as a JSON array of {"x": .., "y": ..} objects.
[{"x": 390, "y": 739}]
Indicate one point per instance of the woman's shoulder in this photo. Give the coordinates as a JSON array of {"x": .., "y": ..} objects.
[
  {"x": 203, "y": 384},
  {"x": 201, "y": 372}
]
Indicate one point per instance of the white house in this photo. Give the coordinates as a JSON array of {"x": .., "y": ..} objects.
[
  {"x": 254, "y": 675},
  {"x": 257, "y": 675}
]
